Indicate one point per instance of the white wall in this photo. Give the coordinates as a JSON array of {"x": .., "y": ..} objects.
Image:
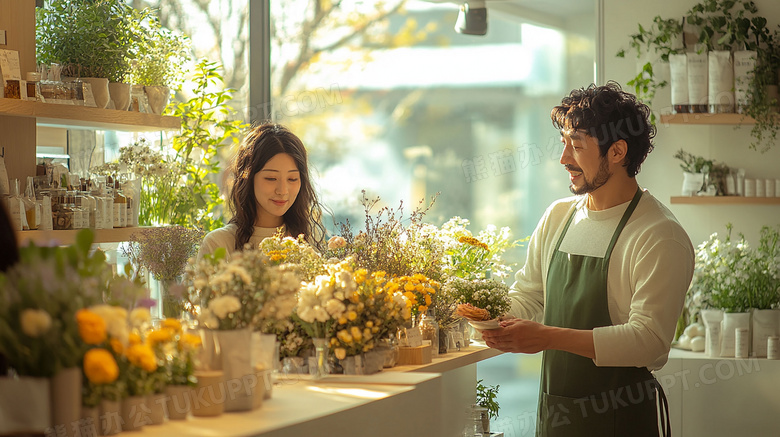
[{"x": 661, "y": 173}]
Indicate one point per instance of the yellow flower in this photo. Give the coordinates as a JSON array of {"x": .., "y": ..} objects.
[
  {"x": 100, "y": 366},
  {"x": 92, "y": 327},
  {"x": 35, "y": 322},
  {"x": 344, "y": 336},
  {"x": 116, "y": 345},
  {"x": 190, "y": 341},
  {"x": 369, "y": 324},
  {"x": 173, "y": 324},
  {"x": 356, "y": 334},
  {"x": 351, "y": 315},
  {"x": 471, "y": 241},
  {"x": 427, "y": 300},
  {"x": 134, "y": 339},
  {"x": 158, "y": 336},
  {"x": 422, "y": 309},
  {"x": 341, "y": 353},
  {"x": 142, "y": 356},
  {"x": 342, "y": 320},
  {"x": 409, "y": 286}
]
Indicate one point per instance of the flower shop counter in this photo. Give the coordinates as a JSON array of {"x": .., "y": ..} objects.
[
  {"x": 718, "y": 396},
  {"x": 429, "y": 400}
]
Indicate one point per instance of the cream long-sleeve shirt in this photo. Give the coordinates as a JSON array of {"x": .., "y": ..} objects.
[
  {"x": 649, "y": 273},
  {"x": 226, "y": 237}
]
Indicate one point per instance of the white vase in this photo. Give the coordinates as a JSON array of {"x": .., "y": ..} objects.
[
  {"x": 692, "y": 183},
  {"x": 712, "y": 323},
  {"x": 158, "y": 97},
  {"x": 766, "y": 323},
  {"x": 110, "y": 417},
  {"x": 265, "y": 351},
  {"x": 156, "y": 404},
  {"x": 99, "y": 87},
  {"x": 731, "y": 322},
  {"x": 120, "y": 95},
  {"x": 178, "y": 401},
  {"x": 25, "y": 405},
  {"x": 236, "y": 356},
  {"x": 66, "y": 397},
  {"x": 135, "y": 413},
  {"x": 720, "y": 93}
]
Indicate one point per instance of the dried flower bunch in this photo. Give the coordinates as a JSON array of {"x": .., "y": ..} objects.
[
  {"x": 245, "y": 292},
  {"x": 376, "y": 309},
  {"x": 387, "y": 244},
  {"x": 163, "y": 251},
  {"x": 487, "y": 294}
]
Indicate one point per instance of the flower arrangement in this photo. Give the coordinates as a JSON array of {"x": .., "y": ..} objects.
[
  {"x": 387, "y": 244},
  {"x": 292, "y": 338},
  {"x": 417, "y": 289},
  {"x": 287, "y": 250},
  {"x": 480, "y": 257},
  {"x": 488, "y": 294},
  {"x": 164, "y": 252},
  {"x": 321, "y": 301},
  {"x": 40, "y": 298},
  {"x": 176, "y": 350},
  {"x": 732, "y": 276},
  {"x": 103, "y": 328},
  {"x": 376, "y": 309},
  {"x": 245, "y": 292}
]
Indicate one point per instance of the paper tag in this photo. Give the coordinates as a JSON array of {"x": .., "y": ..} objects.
[
  {"x": 414, "y": 337},
  {"x": 89, "y": 98},
  {"x": 9, "y": 64}
]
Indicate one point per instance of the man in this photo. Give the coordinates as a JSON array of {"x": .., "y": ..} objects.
[{"x": 606, "y": 273}]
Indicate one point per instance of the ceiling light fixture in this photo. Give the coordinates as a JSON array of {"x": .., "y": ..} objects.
[{"x": 472, "y": 18}]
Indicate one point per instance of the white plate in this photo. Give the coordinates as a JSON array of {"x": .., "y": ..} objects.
[{"x": 485, "y": 324}]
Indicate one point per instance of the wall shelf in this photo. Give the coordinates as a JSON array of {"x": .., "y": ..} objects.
[
  {"x": 64, "y": 238},
  {"x": 724, "y": 200},
  {"x": 71, "y": 116},
  {"x": 706, "y": 119}
]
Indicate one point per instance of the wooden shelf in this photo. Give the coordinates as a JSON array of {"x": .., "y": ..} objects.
[
  {"x": 706, "y": 119},
  {"x": 64, "y": 238},
  {"x": 724, "y": 200},
  {"x": 71, "y": 116}
]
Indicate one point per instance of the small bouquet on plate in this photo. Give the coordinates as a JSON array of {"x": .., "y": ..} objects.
[{"x": 481, "y": 301}]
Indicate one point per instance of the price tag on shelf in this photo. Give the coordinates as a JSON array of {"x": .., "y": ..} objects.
[{"x": 9, "y": 64}]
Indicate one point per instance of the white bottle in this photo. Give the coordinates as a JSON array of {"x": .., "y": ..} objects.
[{"x": 15, "y": 207}]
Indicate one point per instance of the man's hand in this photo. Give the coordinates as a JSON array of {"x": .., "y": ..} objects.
[
  {"x": 528, "y": 337},
  {"x": 518, "y": 335}
]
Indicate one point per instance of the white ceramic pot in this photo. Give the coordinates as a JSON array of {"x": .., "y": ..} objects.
[
  {"x": 120, "y": 95},
  {"x": 135, "y": 413},
  {"x": 692, "y": 183},
  {"x": 720, "y": 93},
  {"x": 110, "y": 417},
  {"x": 732, "y": 322},
  {"x": 158, "y": 97},
  {"x": 99, "y": 88},
  {"x": 25, "y": 405}
]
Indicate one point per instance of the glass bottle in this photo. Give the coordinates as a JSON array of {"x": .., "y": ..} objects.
[
  {"x": 30, "y": 205},
  {"x": 62, "y": 213},
  {"x": 33, "y": 78},
  {"x": 430, "y": 331},
  {"x": 321, "y": 352}
]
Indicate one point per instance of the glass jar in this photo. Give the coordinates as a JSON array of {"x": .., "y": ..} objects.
[
  {"x": 13, "y": 89},
  {"x": 62, "y": 214},
  {"x": 33, "y": 77},
  {"x": 430, "y": 331}
]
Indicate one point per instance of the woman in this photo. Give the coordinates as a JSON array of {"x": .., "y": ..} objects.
[{"x": 271, "y": 189}]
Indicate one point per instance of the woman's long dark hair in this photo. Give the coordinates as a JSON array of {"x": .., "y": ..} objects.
[
  {"x": 9, "y": 256},
  {"x": 262, "y": 143}
]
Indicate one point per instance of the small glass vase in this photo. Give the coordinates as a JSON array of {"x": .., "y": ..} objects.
[{"x": 321, "y": 350}]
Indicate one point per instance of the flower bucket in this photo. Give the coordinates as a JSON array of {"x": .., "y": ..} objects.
[
  {"x": 766, "y": 323},
  {"x": 712, "y": 323},
  {"x": 135, "y": 413},
  {"x": 110, "y": 417},
  {"x": 240, "y": 380},
  {"x": 178, "y": 401},
  {"x": 208, "y": 398},
  {"x": 25, "y": 405},
  {"x": 66, "y": 398},
  {"x": 90, "y": 421},
  {"x": 731, "y": 322},
  {"x": 156, "y": 403}
]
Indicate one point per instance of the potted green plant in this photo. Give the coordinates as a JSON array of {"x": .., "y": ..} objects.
[
  {"x": 486, "y": 398},
  {"x": 762, "y": 94},
  {"x": 90, "y": 39},
  {"x": 695, "y": 170},
  {"x": 160, "y": 65}
]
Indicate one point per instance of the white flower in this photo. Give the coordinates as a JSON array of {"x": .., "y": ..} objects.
[
  {"x": 139, "y": 317},
  {"x": 208, "y": 319},
  {"x": 336, "y": 242},
  {"x": 116, "y": 321},
  {"x": 224, "y": 305},
  {"x": 35, "y": 322},
  {"x": 335, "y": 307}
]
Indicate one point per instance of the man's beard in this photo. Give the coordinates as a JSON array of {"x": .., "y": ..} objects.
[{"x": 600, "y": 179}]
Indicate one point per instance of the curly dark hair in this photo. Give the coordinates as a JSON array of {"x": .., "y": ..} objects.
[
  {"x": 608, "y": 114},
  {"x": 260, "y": 144}
]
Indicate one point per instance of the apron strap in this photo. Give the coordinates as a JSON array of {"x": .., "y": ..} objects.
[
  {"x": 663, "y": 410},
  {"x": 623, "y": 221}
]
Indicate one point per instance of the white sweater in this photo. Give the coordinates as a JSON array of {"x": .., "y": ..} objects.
[
  {"x": 226, "y": 237},
  {"x": 649, "y": 273}
]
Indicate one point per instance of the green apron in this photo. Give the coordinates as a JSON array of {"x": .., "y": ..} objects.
[{"x": 577, "y": 398}]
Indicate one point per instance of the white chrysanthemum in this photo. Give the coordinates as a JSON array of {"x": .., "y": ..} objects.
[
  {"x": 140, "y": 317},
  {"x": 335, "y": 307},
  {"x": 35, "y": 322},
  {"x": 224, "y": 305}
]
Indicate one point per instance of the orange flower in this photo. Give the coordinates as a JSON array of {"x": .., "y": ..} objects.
[
  {"x": 100, "y": 366},
  {"x": 92, "y": 327},
  {"x": 116, "y": 346},
  {"x": 172, "y": 324}
]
